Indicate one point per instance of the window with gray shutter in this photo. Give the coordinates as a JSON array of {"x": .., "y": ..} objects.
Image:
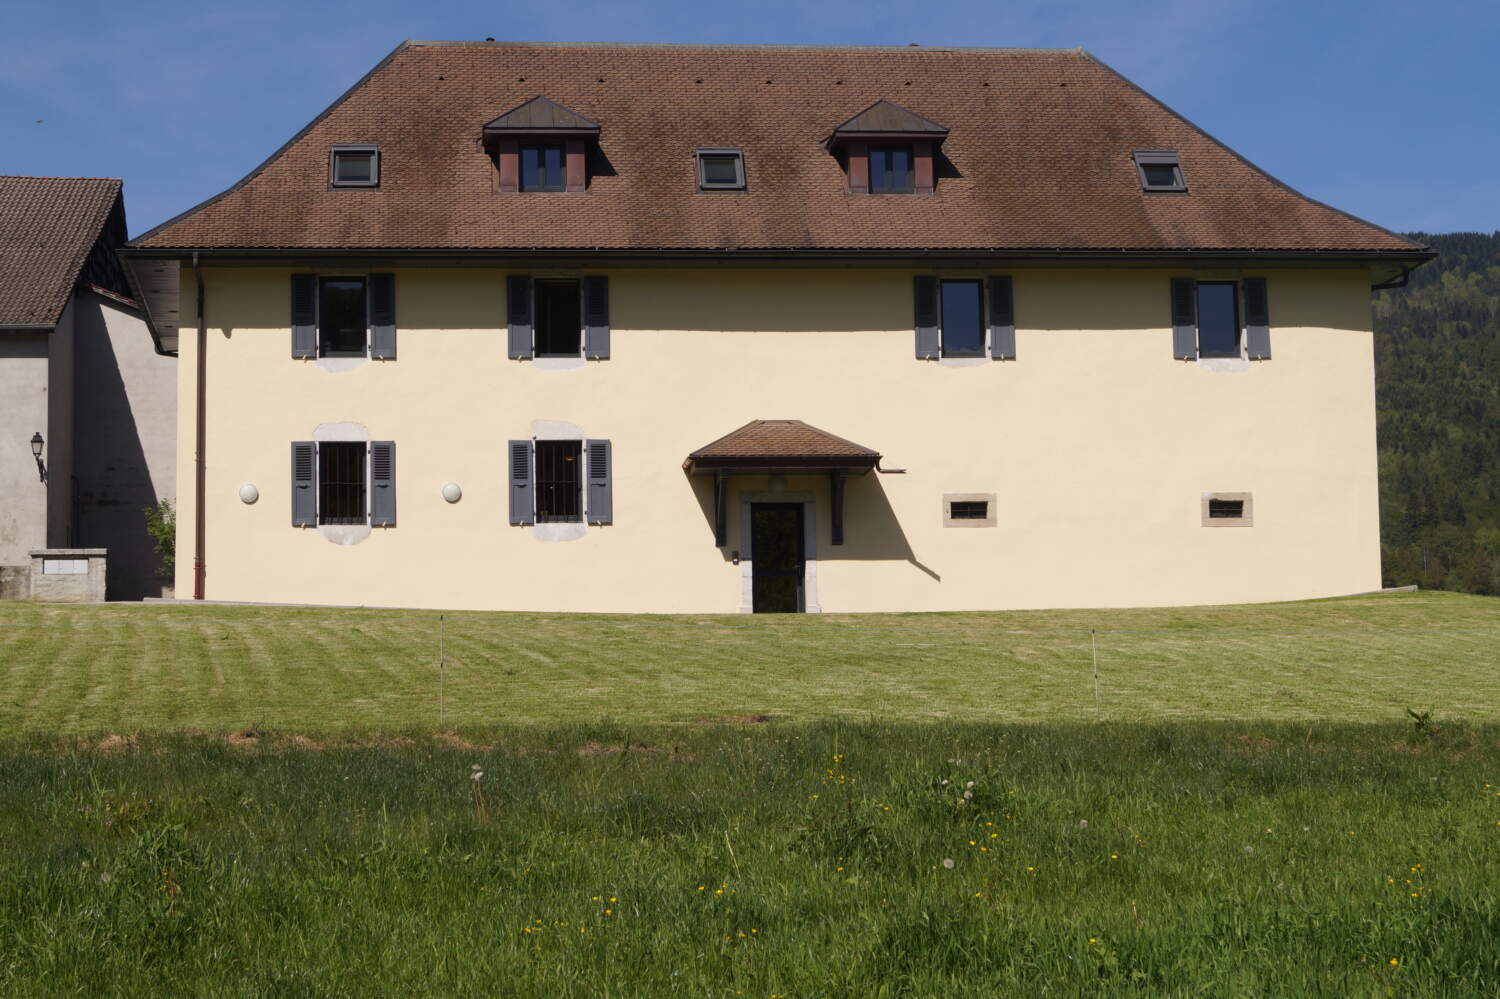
[
  {"x": 304, "y": 315},
  {"x": 382, "y": 483},
  {"x": 601, "y": 505},
  {"x": 522, "y": 495},
  {"x": 925, "y": 307},
  {"x": 1184, "y": 319},
  {"x": 383, "y": 316},
  {"x": 518, "y": 315},
  {"x": 304, "y": 484},
  {"x": 1002, "y": 319},
  {"x": 1257, "y": 319},
  {"x": 596, "y": 317}
]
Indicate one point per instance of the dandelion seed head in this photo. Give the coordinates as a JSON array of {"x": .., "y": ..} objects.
[{"x": 948, "y": 863}]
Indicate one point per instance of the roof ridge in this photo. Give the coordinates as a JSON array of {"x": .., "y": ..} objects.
[{"x": 747, "y": 47}]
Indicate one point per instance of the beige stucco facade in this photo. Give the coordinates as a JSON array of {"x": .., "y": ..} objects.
[{"x": 1097, "y": 445}]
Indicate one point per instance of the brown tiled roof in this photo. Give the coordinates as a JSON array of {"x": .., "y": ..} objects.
[
  {"x": 765, "y": 443},
  {"x": 1038, "y": 159},
  {"x": 884, "y": 116},
  {"x": 48, "y": 225}
]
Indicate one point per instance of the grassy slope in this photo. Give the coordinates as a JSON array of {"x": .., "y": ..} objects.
[
  {"x": 1183, "y": 859},
  {"x": 132, "y": 668}
]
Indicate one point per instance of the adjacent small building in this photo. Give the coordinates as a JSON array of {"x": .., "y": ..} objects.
[
  {"x": 752, "y": 328},
  {"x": 87, "y": 399}
]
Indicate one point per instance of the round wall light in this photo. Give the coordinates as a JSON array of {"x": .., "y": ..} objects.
[
  {"x": 452, "y": 493},
  {"x": 248, "y": 493}
]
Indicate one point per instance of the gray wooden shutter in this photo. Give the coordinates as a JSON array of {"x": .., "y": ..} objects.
[
  {"x": 596, "y": 317},
  {"x": 925, "y": 292},
  {"x": 383, "y": 315},
  {"x": 601, "y": 504},
  {"x": 304, "y": 484},
  {"x": 382, "y": 483},
  {"x": 304, "y": 315},
  {"x": 522, "y": 502},
  {"x": 1257, "y": 319},
  {"x": 1184, "y": 319},
  {"x": 518, "y": 314},
  {"x": 1002, "y": 319}
]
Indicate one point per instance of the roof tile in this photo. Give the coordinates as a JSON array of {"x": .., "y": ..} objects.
[{"x": 48, "y": 225}]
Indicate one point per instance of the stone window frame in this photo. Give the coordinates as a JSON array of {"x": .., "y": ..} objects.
[
  {"x": 1246, "y": 520},
  {"x": 990, "y": 520}
]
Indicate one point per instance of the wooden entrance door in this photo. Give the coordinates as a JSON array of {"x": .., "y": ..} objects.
[{"x": 778, "y": 558}]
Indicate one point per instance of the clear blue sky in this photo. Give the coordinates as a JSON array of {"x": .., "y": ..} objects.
[{"x": 1388, "y": 109}]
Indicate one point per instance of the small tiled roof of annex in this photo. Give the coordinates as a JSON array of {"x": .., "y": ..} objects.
[
  {"x": 777, "y": 440},
  {"x": 1038, "y": 158},
  {"x": 48, "y": 226}
]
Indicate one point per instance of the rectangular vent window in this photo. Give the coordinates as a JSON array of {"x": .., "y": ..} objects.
[
  {"x": 1220, "y": 509},
  {"x": 969, "y": 510}
]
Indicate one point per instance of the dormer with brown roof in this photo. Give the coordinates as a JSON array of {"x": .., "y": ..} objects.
[
  {"x": 541, "y": 146},
  {"x": 888, "y": 150}
]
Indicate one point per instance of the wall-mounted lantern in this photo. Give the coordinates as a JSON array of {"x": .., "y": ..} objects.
[{"x": 36, "y": 452}]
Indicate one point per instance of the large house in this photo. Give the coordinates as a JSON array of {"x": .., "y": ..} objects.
[
  {"x": 732, "y": 328},
  {"x": 88, "y": 403}
]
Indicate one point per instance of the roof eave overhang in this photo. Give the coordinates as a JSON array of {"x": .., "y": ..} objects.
[
  {"x": 774, "y": 464},
  {"x": 843, "y": 138},
  {"x": 436, "y": 254},
  {"x": 491, "y": 134}
]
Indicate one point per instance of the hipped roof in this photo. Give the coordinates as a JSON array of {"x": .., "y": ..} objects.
[
  {"x": 780, "y": 444},
  {"x": 1038, "y": 159}
]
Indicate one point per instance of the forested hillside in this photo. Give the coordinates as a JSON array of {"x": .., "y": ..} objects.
[{"x": 1437, "y": 376}]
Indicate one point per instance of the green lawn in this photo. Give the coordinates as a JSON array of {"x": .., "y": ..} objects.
[
  {"x": 237, "y": 801},
  {"x": 801, "y": 860},
  {"x": 122, "y": 668}
]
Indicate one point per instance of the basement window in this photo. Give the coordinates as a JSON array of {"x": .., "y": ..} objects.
[
  {"x": 1226, "y": 510},
  {"x": 354, "y": 166},
  {"x": 1159, "y": 170},
  {"x": 721, "y": 169},
  {"x": 969, "y": 510},
  {"x": 559, "y": 497}
]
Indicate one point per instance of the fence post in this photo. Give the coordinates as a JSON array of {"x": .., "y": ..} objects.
[{"x": 1094, "y": 646}]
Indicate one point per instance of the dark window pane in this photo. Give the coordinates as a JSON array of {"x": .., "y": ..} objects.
[
  {"x": 557, "y": 479},
  {"x": 559, "y": 321},
  {"x": 1226, "y": 509},
  {"x": 1218, "y": 320},
  {"x": 963, "y": 320},
  {"x": 1160, "y": 175},
  {"x": 341, "y": 316},
  {"x": 341, "y": 483},
  {"x": 969, "y": 509},
  {"x": 353, "y": 168},
  {"x": 542, "y": 168},
  {"x": 890, "y": 170},
  {"x": 721, "y": 170}
]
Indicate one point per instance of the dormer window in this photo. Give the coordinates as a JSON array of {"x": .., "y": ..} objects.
[
  {"x": 354, "y": 166},
  {"x": 541, "y": 146},
  {"x": 721, "y": 169},
  {"x": 1159, "y": 170},
  {"x": 891, "y": 169},
  {"x": 542, "y": 167},
  {"x": 888, "y": 150}
]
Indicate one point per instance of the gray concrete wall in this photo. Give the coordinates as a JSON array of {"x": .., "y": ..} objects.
[
  {"x": 59, "y": 434},
  {"x": 125, "y": 440},
  {"x": 23, "y": 412},
  {"x": 55, "y": 579}
]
